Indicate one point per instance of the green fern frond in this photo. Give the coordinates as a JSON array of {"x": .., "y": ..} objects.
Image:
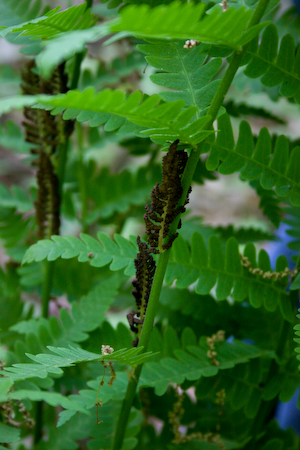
[
  {"x": 54, "y": 22},
  {"x": 11, "y": 138},
  {"x": 14, "y": 12},
  {"x": 244, "y": 235},
  {"x": 274, "y": 167},
  {"x": 213, "y": 267},
  {"x": 162, "y": 122},
  {"x": 184, "y": 71},
  {"x": 66, "y": 357},
  {"x": 193, "y": 363},
  {"x": 68, "y": 435},
  {"x": 116, "y": 193},
  {"x": 120, "y": 252},
  {"x": 245, "y": 388},
  {"x": 235, "y": 109},
  {"x": 86, "y": 316},
  {"x": 241, "y": 384},
  {"x": 11, "y": 304},
  {"x": 269, "y": 203},
  {"x": 109, "y": 74},
  {"x": 186, "y": 21},
  {"x": 275, "y": 68},
  {"x": 16, "y": 198},
  {"x": 14, "y": 232},
  {"x": 187, "y": 266},
  {"x": 297, "y": 339},
  {"x": 52, "y": 398},
  {"x": 8, "y": 434}
]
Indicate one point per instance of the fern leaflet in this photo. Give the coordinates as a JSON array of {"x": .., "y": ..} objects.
[
  {"x": 193, "y": 363},
  {"x": 54, "y": 22},
  {"x": 275, "y": 167},
  {"x": 67, "y": 357},
  {"x": 120, "y": 253},
  {"x": 167, "y": 121},
  {"x": 184, "y": 21},
  {"x": 86, "y": 316},
  {"x": 282, "y": 68},
  {"x": 14, "y": 12},
  {"x": 185, "y": 72}
]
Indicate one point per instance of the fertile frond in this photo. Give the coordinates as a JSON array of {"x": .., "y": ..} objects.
[
  {"x": 212, "y": 267},
  {"x": 54, "y": 22},
  {"x": 66, "y": 357},
  {"x": 184, "y": 21},
  {"x": 14, "y": 12},
  {"x": 162, "y": 122},
  {"x": 275, "y": 167},
  {"x": 185, "y": 72},
  {"x": 120, "y": 252},
  {"x": 275, "y": 68},
  {"x": 193, "y": 363}
]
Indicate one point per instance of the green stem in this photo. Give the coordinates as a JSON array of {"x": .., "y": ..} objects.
[
  {"x": 47, "y": 286},
  {"x": 49, "y": 265},
  {"x": 81, "y": 178},
  {"x": 78, "y": 58},
  {"x": 164, "y": 257}
]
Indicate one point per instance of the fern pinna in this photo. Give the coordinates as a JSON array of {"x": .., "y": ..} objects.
[{"x": 207, "y": 346}]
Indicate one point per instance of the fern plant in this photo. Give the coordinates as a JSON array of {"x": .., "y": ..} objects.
[{"x": 126, "y": 317}]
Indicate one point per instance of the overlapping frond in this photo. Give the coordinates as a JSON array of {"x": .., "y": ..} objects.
[
  {"x": 8, "y": 434},
  {"x": 269, "y": 203},
  {"x": 85, "y": 316},
  {"x": 245, "y": 388},
  {"x": 66, "y": 357},
  {"x": 16, "y": 198},
  {"x": 14, "y": 232},
  {"x": 52, "y": 398},
  {"x": 119, "y": 252},
  {"x": 186, "y": 21},
  {"x": 162, "y": 122},
  {"x": 55, "y": 22},
  {"x": 193, "y": 363},
  {"x": 14, "y": 12},
  {"x": 273, "y": 166},
  {"x": 207, "y": 267},
  {"x": 275, "y": 67},
  {"x": 297, "y": 339},
  {"x": 212, "y": 267},
  {"x": 111, "y": 73},
  {"x": 116, "y": 193},
  {"x": 184, "y": 72},
  {"x": 11, "y": 138}
]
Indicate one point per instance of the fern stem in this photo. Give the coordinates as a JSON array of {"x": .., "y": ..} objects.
[
  {"x": 234, "y": 64},
  {"x": 79, "y": 57},
  {"x": 81, "y": 178},
  {"x": 164, "y": 257}
]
